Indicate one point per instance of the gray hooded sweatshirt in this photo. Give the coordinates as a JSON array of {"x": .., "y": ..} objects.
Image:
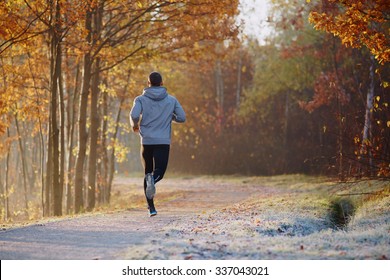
[{"x": 153, "y": 112}]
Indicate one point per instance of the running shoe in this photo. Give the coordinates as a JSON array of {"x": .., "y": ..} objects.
[
  {"x": 150, "y": 187},
  {"x": 152, "y": 213}
]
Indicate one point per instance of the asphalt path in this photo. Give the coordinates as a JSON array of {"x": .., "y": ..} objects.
[{"x": 110, "y": 235}]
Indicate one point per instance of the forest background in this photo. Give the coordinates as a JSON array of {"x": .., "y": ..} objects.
[{"x": 312, "y": 97}]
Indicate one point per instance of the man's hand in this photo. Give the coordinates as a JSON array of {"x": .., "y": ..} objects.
[{"x": 136, "y": 128}]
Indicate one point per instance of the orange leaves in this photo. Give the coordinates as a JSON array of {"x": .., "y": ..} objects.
[
  {"x": 360, "y": 23},
  {"x": 2, "y": 123},
  {"x": 326, "y": 88}
]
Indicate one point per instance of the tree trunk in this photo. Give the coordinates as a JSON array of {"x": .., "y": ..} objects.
[
  {"x": 112, "y": 159},
  {"x": 6, "y": 182},
  {"x": 23, "y": 158},
  {"x": 71, "y": 127},
  {"x": 367, "y": 130},
  {"x": 94, "y": 130},
  {"x": 55, "y": 78},
  {"x": 49, "y": 174},
  {"x": 42, "y": 163},
  {"x": 62, "y": 134},
  {"x": 340, "y": 119},
  {"x": 93, "y": 139},
  {"x": 220, "y": 96},
  {"x": 103, "y": 165},
  {"x": 340, "y": 142},
  {"x": 83, "y": 136}
]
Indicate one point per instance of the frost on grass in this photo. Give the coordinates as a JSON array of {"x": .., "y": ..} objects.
[{"x": 285, "y": 223}]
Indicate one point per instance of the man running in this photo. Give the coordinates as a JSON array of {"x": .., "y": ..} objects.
[{"x": 152, "y": 115}]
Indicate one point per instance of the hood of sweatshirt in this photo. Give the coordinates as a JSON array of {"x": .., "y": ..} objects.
[{"x": 155, "y": 93}]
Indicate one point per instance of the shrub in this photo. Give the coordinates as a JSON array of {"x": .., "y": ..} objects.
[{"x": 341, "y": 211}]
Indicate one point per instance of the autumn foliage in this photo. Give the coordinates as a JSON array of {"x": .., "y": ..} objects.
[
  {"x": 69, "y": 69},
  {"x": 358, "y": 23},
  {"x": 311, "y": 98}
]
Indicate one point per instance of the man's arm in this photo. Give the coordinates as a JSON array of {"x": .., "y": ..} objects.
[
  {"x": 135, "y": 114},
  {"x": 178, "y": 114}
]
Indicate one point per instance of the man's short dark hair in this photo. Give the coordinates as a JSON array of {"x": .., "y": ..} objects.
[{"x": 155, "y": 79}]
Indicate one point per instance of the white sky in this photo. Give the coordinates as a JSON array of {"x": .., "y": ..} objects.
[{"x": 255, "y": 14}]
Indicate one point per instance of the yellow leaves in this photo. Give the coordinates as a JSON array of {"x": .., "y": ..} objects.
[
  {"x": 388, "y": 123},
  {"x": 320, "y": 21},
  {"x": 357, "y": 26},
  {"x": 107, "y": 90},
  {"x": 2, "y": 130},
  {"x": 121, "y": 151}
]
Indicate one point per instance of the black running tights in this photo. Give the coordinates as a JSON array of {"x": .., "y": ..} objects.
[{"x": 155, "y": 161}]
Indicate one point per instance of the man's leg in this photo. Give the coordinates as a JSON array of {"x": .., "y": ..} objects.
[
  {"x": 147, "y": 158},
  {"x": 160, "y": 156},
  {"x": 147, "y": 162}
]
